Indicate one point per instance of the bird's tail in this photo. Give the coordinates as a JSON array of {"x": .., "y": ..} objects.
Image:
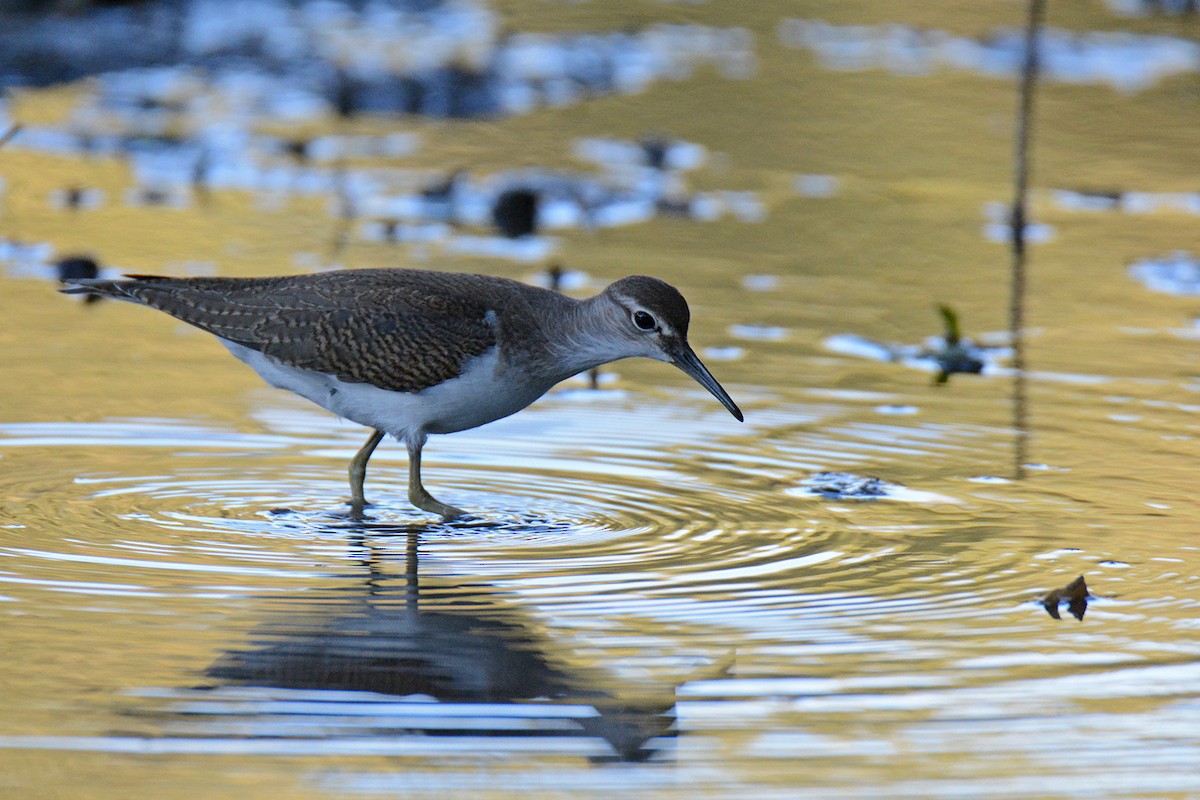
[{"x": 104, "y": 287}]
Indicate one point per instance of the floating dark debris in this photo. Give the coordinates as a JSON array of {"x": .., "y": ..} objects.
[
  {"x": 1128, "y": 202},
  {"x": 657, "y": 153},
  {"x": 938, "y": 354},
  {"x": 555, "y": 276},
  {"x": 75, "y": 268},
  {"x": 440, "y": 197},
  {"x": 160, "y": 196},
  {"x": 515, "y": 213},
  {"x": 1074, "y": 594},
  {"x": 850, "y": 486},
  {"x": 561, "y": 279},
  {"x": 847, "y": 485},
  {"x": 1088, "y": 199},
  {"x": 76, "y": 198}
]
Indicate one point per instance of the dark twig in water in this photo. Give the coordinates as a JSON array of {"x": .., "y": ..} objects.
[
  {"x": 1016, "y": 308},
  {"x": 7, "y": 136}
]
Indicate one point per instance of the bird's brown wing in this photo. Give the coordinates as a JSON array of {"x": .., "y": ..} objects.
[{"x": 402, "y": 330}]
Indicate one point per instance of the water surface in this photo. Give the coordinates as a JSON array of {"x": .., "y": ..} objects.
[{"x": 650, "y": 601}]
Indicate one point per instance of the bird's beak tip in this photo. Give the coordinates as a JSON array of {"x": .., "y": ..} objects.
[{"x": 687, "y": 361}]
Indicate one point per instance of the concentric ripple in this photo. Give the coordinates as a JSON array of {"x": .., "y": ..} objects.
[
  {"x": 656, "y": 495},
  {"x": 604, "y": 593},
  {"x": 655, "y": 516}
]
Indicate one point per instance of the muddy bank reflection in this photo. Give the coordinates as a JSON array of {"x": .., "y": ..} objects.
[{"x": 462, "y": 664}]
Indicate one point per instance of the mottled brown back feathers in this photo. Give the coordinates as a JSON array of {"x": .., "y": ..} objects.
[{"x": 402, "y": 330}]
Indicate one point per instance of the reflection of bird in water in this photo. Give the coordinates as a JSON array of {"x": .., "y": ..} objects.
[
  {"x": 515, "y": 213},
  {"x": 468, "y": 650}
]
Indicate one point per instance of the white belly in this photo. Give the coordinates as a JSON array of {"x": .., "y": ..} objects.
[{"x": 475, "y": 398}]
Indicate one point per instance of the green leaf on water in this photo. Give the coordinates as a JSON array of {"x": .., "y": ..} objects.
[
  {"x": 950, "y": 318},
  {"x": 955, "y": 356}
]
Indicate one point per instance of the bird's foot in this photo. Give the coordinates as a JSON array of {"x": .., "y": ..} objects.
[
  {"x": 427, "y": 502},
  {"x": 358, "y": 508}
]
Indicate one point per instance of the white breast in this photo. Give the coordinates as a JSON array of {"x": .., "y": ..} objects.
[{"x": 476, "y": 397}]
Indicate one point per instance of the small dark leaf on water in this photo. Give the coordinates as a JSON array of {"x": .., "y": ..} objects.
[{"x": 1074, "y": 594}]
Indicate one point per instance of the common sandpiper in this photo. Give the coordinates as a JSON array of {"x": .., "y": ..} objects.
[{"x": 412, "y": 353}]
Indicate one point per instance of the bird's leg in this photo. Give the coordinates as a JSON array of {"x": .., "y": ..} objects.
[
  {"x": 416, "y": 492},
  {"x": 358, "y": 473}
]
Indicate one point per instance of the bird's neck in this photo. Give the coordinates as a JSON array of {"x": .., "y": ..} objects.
[{"x": 582, "y": 339}]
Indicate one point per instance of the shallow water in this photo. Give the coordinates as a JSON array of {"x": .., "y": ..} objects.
[{"x": 650, "y": 601}]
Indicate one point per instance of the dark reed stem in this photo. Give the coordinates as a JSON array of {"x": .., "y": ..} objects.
[{"x": 1021, "y": 169}]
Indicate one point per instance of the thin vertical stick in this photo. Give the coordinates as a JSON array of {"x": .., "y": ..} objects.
[
  {"x": 1016, "y": 306},
  {"x": 9, "y": 134}
]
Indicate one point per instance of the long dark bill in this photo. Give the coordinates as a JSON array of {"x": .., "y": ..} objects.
[{"x": 684, "y": 358}]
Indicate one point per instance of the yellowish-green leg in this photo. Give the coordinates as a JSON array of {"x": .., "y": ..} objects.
[
  {"x": 416, "y": 492},
  {"x": 358, "y": 473}
]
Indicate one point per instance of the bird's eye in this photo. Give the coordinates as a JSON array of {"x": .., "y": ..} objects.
[{"x": 644, "y": 321}]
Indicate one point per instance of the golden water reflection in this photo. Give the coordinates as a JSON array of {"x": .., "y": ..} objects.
[{"x": 657, "y": 604}]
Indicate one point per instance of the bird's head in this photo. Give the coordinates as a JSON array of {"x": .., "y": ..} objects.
[{"x": 652, "y": 319}]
